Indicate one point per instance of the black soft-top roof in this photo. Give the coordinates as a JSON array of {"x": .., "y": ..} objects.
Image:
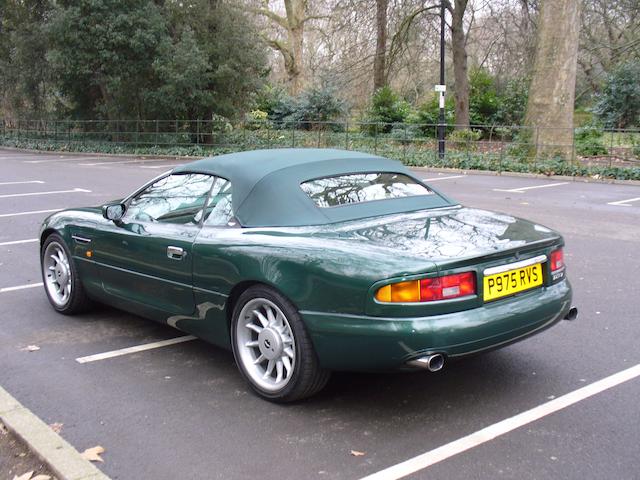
[{"x": 266, "y": 185}]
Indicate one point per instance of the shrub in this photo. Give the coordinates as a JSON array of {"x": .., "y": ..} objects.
[
  {"x": 464, "y": 139},
  {"x": 428, "y": 115},
  {"x": 483, "y": 98},
  {"x": 317, "y": 105},
  {"x": 618, "y": 105},
  {"x": 386, "y": 109},
  {"x": 588, "y": 141},
  {"x": 513, "y": 102}
]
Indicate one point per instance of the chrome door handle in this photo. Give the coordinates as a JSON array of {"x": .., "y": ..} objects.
[{"x": 175, "y": 253}]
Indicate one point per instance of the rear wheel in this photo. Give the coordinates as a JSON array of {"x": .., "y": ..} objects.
[
  {"x": 60, "y": 277},
  {"x": 272, "y": 347}
]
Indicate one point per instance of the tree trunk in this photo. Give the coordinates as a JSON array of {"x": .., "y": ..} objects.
[
  {"x": 460, "y": 70},
  {"x": 296, "y": 17},
  {"x": 551, "y": 95},
  {"x": 379, "y": 73}
]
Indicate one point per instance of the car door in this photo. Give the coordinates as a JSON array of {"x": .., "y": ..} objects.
[{"x": 146, "y": 257}]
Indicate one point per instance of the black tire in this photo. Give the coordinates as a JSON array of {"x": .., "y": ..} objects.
[
  {"x": 77, "y": 301},
  {"x": 307, "y": 377}
]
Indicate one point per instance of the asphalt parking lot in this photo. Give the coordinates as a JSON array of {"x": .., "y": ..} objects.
[{"x": 182, "y": 411}]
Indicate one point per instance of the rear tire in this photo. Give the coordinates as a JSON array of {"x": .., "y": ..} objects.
[
  {"x": 60, "y": 277},
  {"x": 272, "y": 347}
]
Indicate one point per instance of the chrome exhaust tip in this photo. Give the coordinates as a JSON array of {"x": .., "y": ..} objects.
[
  {"x": 572, "y": 315},
  {"x": 433, "y": 362}
]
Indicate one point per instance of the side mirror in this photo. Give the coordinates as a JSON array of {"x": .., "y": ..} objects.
[{"x": 113, "y": 212}]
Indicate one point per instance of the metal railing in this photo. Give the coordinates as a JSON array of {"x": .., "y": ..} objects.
[{"x": 482, "y": 146}]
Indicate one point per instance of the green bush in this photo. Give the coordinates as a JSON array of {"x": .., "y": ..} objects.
[
  {"x": 386, "y": 109},
  {"x": 464, "y": 139},
  {"x": 483, "y": 98},
  {"x": 588, "y": 141},
  {"x": 512, "y": 103},
  {"x": 428, "y": 115},
  {"x": 618, "y": 105}
]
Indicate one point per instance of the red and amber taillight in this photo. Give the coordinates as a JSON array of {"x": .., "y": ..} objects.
[
  {"x": 447, "y": 287},
  {"x": 556, "y": 260}
]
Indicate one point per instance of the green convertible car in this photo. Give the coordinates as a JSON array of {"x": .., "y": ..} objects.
[{"x": 304, "y": 261}]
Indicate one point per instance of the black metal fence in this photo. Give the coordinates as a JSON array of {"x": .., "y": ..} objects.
[{"x": 482, "y": 146}]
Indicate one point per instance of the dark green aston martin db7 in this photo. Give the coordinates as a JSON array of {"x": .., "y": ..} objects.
[{"x": 305, "y": 261}]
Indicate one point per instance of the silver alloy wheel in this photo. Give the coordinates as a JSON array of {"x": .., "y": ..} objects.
[
  {"x": 265, "y": 344},
  {"x": 57, "y": 274}
]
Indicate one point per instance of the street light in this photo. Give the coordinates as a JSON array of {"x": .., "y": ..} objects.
[{"x": 442, "y": 88}]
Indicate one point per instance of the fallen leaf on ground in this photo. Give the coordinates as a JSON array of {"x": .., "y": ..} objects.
[
  {"x": 93, "y": 454},
  {"x": 24, "y": 476},
  {"x": 30, "y": 348},
  {"x": 28, "y": 476},
  {"x": 356, "y": 453},
  {"x": 56, "y": 427}
]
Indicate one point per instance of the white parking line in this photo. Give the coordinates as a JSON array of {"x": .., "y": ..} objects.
[
  {"x": 58, "y": 160},
  {"x": 20, "y": 287},
  {"x": 16, "y": 242},
  {"x": 523, "y": 189},
  {"x": 160, "y": 166},
  {"x": 139, "y": 160},
  {"x": 33, "y": 212},
  {"x": 75, "y": 190},
  {"x": 20, "y": 183},
  {"x": 137, "y": 348},
  {"x": 463, "y": 444},
  {"x": 624, "y": 203},
  {"x": 435, "y": 179}
]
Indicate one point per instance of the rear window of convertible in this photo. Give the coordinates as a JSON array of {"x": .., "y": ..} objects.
[{"x": 361, "y": 187}]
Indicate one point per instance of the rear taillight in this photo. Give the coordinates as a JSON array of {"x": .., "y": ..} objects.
[
  {"x": 556, "y": 260},
  {"x": 429, "y": 289}
]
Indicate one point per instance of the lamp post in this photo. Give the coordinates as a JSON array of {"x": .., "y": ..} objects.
[{"x": 441, "y": 88}]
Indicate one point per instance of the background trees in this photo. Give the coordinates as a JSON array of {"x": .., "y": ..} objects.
[{"x": 140, "y": 59}]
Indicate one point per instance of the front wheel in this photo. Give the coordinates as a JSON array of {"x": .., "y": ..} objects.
[
  {"x": 272, "y": 347},
  {"x": 60, "y": 277}
]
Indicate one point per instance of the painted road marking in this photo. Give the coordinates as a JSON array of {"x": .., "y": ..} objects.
[
  {"x": 523, "y": 189},
  {"x": 16, "y": 242},
  {"x": 20, "y": 183},
  {"x": 160, "y": 166},
  {"x": 463, "y": 444},
  {"x": 20, "y": 287},
  {"x": 2, "y": 215},
  {"x": 624, "y": 203},
  {"x": 137, "y": 348},
  {"x": 75, "y": 190},
  {"x": 139, "y": 160},
  {"x": 58, "y": 160},
  {"x": 435, "y": 179}
]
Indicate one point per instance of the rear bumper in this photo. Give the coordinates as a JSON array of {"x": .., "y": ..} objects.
[{"x": 352, "y": 342}]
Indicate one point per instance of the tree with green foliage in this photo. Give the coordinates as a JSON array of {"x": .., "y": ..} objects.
[
  {"x": 102, "y": 54},
  {"x": 25, "y": 87},
  {"x": 618, "y": 105}
]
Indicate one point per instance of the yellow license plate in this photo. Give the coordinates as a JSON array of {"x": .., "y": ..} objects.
[{"x": 506, "y": 283}]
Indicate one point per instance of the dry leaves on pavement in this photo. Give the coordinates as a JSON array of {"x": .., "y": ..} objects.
[
  {"x": 29, "y": 476},
  {"x": 56, "y": 427},
  {"x": 356, "y": 453},
  {"x": 30, "y": 348},
  {"x": 93, "y": 454}
]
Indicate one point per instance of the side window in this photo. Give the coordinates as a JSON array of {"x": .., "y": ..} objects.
[
  {"x": 219, "y": 209},
  {"x": 172, "y": 199}
]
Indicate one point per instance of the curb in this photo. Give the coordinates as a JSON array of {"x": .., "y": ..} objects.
[
  {"x": 63, "y": 460},
  {"x": 430, "y": 169}
]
